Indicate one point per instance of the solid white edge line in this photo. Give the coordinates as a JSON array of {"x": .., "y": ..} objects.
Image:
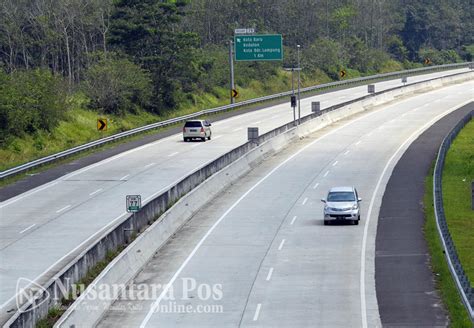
[
  {"x": 269, "y": 275},
  {"x": 410, "y": 139},
  {"x": 125, "y": 213},
  {"x": 198, "y": 245},
  {"x": 31, "y": 226},
  {"x": 173, "y": 154},
  {"x": 110, "y": 159},
  {"x": 257, "y": 312},
  {"x": 20, "y": 197},
  {"x": 155, "y": 304}
]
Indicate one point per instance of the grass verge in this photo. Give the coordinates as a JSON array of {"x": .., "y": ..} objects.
[
  {"x": 458, "y": 173},
  {"x": 443, "y": 279}
]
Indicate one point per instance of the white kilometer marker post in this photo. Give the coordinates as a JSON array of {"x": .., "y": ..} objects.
[
  {"x": 293, "y": 220},
  {"x": 269, "y": 275},
  {"x": 62, "y": 209},
  {"x": 281, "y": 245},
  {"x": 31, "y": 226},
  {"x": 95, "y": 192}
]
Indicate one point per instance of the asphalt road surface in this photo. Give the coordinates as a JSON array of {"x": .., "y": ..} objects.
[
  {"x": 45, "y": 228},
  {"x": 259, "y": 254},
  {"x": 405, "y": 286}
]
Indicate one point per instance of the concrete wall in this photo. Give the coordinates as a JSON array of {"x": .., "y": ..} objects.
[{"x": 210, "y": 180}]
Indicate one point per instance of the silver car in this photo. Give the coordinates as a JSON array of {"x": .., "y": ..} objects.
[
  {"x": 197, "y": 129},
  {"x": 342, "y": 204}
]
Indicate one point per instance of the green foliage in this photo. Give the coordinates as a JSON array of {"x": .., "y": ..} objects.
[
  {"x": 147, "y": 31},
  {"x": 444, "y": 282},
  {"x": 30, "y": 101},
  {"x": 458, "y": 173},
  {"x": 439, "y": 57},
  {"x": 467, "y": 52},
  {"x": 116, "y": 85},
  {"x": 326, "y": 55},
  {"x": 396, "y": 48}
]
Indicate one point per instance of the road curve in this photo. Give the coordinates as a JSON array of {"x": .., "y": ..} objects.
[
  {"x": 263, "y": 244},
  {"x": 401, "y": 249},
  {"x": 45, "y": 228}
]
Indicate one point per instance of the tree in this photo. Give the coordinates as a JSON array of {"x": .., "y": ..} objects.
[
  {"x": 116, "y": 85},
  {"x": 147, "y": 31}
]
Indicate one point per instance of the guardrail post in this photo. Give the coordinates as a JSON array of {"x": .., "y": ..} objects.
[{"x": 315, "y": 106}]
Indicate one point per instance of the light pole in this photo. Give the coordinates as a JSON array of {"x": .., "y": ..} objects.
[
  {"x": 299, "y": 69},
  {"x": 231, "y": 63},
  {"x": 292, "y": 69}
]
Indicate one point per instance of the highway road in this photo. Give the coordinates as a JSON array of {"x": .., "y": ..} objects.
[
  {"x": 263, "y": 244},
  {"x": 45, "y": 228}
]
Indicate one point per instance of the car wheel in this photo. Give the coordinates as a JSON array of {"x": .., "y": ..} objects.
[
  {"x": 356, "y": 222},
  {"x": 326, "y": 222},
  {"x": 203, "y": 139},
  {"x": 186, "y": 139},
  {"x": 209, "y": 138}
]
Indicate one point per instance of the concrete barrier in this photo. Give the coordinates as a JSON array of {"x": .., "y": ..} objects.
[{"x": 161, "y": 217}]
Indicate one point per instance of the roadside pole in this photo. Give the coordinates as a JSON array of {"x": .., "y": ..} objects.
[
  {"x": 299, "y": 69},
  {"x": 231, "y": 63}
]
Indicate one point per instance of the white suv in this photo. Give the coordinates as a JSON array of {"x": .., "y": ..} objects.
[
  {"x": 198, "y": 129},
  {"x": 342, "y": 204}
]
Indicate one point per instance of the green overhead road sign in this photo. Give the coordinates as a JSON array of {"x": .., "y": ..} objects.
[{"x": 258, "y": 47}]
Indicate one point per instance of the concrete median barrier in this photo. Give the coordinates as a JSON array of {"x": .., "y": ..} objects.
[
  {"x": 129, "y": 262},
  {"x": 163, "y": 215}
]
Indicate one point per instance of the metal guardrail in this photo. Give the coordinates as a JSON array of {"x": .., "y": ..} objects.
[
  {"x": 26, "y": 316},
  {"x": 459, "y": 275},
  {"x": 63, "y": 154}
]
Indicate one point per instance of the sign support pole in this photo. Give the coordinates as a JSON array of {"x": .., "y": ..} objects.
[
  {"x": 231, "y": 63},
  {"x": 293, "y": 92},
  {"x": 299, "y": 69}
]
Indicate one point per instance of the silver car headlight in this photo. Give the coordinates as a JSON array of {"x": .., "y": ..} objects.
[{"x": 355, "y": 206}]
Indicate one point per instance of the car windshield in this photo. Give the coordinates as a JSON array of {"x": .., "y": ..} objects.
[
  {"x": 341, "y": 196},
  {"x": 193, "y": 124}
]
